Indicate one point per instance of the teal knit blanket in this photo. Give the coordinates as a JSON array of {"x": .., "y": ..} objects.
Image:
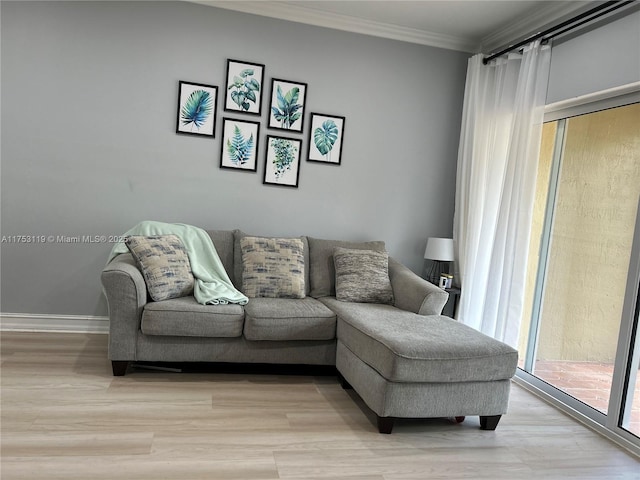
[{"x": 212, "y": 284}]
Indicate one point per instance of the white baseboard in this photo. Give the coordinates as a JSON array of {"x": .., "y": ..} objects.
[{"x": 35, "y": 322}]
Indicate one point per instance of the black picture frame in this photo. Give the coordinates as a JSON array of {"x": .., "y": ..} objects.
[
  {"x": 287, "y": 105},
  {"x": 197, "y": 108},
  {"x": 239, "y": 145},
  {"x": 325, "y": 141},
  {"x": 282, "y": 161},
  {"x": 244, "y": 87}
]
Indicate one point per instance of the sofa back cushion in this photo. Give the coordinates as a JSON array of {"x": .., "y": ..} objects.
[
  {"x": 238, "y": 268},
  {"x": 223, "y": 241},
  {"x": 322, "y": 273}
]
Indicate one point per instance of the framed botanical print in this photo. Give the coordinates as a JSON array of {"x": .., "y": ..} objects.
[
  {"x": 287, "y": 105},
  {"x": 239, "y": 146},
  {"x": 196, "y": 109},
  {"x": 282, "y": 161},
  {"x": 325, "y": 138},
  {"x": 244, "y": 87}
]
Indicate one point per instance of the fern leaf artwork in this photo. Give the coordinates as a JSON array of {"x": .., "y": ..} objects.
[
  {"x": 239, "y": 144},
  {"x": 239, "y": 148},
  {"x": 325, "y": 137},
  {"x": 197, "y": 108}
]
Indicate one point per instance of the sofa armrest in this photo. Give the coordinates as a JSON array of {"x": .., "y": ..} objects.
[
  {"x": 413, "y": 293},
  {"x": 126, "y": 293}
]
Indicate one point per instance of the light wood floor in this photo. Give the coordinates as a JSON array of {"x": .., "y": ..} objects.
[{"x": 65, "y": 417}]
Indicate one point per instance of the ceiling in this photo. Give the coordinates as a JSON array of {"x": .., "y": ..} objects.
[{"x": 465, "y": 25}]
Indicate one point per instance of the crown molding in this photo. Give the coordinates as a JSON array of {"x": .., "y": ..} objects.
[
  {"x": 300, "y": 14},
  {"x": 534, "y": 22}
]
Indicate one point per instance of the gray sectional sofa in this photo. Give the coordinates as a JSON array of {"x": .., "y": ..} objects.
[{"x": 403, "y": 358}]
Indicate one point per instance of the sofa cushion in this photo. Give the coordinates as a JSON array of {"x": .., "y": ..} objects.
[
  {"x": 184, "y": 317},
  {"x": 322, "y": 273},
  {"x": 223, "y": 241},
  {"x": 362, "y": 276},
  {"x": 273, "y": 267},
  {"x": 407, "y": 347},
  {"x": 164, "y": 264},
  {"x": 237, "y": 257},
  {"x": 288, "y": 319}
]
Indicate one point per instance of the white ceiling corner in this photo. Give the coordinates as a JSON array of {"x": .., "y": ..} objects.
[
  {"x": 320, "y": 18},
  {"x": 471, "y": 18},
  {"x": 548, "y": 14}
]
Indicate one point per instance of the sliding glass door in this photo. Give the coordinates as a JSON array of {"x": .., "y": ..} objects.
[{"x": 581, "y": 291}]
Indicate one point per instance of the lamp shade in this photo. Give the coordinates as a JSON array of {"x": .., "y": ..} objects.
[{"x": 440, "y": 249}]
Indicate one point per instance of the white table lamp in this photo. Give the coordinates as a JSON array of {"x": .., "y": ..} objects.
[{"x": 439, "y": 250}]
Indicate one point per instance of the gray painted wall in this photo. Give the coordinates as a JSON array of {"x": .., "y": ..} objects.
[
  {"x": 89, "y": 93},
  {"x": 603, "y": 58}
]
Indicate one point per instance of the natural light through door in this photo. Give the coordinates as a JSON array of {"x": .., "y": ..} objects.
[{"x": 590, "y": 179}]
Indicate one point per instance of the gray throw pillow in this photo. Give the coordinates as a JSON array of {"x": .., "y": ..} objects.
[
  {"x": 322, "y": 274},
  {"x": 164, "y": 264},
  {"x": 362, "y": 276},
  {"x": 273, "y": 267}
]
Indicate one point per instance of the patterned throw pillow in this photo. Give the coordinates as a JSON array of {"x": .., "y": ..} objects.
[
  {"x": 272, "y": 267},
  {"x": 362, "y": 276},
  {"x": 164, "y": 264}
]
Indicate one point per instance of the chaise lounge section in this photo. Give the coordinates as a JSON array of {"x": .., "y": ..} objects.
[{"x": 405, "y": 365}]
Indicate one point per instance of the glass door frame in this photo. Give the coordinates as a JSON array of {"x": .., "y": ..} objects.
[
  {"x": 625, "y": 372},
  {"x": 628, "y": 347}
]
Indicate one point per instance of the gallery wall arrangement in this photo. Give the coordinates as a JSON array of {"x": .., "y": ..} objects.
[{"x": 240, "y": 138}]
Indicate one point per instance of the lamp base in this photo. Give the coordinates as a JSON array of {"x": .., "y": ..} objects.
[{"x": 437, "y": 268}]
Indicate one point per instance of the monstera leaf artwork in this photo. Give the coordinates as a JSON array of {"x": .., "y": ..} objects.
[
  {"x": 239, "y": 144},
  {"x": 196, "y": 109},
  {"x": 287, "y": 105},
  {"x": 325, "y": 138},
  {"x": 244, "y": 87}
]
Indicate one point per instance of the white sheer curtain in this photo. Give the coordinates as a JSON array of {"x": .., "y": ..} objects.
[{"x": 497, "y": 165}]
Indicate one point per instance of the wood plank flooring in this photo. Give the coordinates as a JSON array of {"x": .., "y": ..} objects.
[{"x": 64, "y": 416}]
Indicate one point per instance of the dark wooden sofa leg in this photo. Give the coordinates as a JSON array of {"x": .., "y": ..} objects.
[
  {"x": 119, "y": 367},
  {"x": 385, "y": 424},
  {"x": 489, "y": 423}
]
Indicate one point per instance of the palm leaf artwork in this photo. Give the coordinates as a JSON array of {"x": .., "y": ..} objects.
[
  {"x": 325, "y": 137},
  {"x": 239, "y": 148},
  {"x": 285, "y": 154},
  {"x": 287, "y": 112},
  {"x": 196, "y": 109},
  {"x": 244, "y": 89}
]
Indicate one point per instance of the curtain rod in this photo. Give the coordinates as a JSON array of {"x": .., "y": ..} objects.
[{"x": 583, "y": 18}]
